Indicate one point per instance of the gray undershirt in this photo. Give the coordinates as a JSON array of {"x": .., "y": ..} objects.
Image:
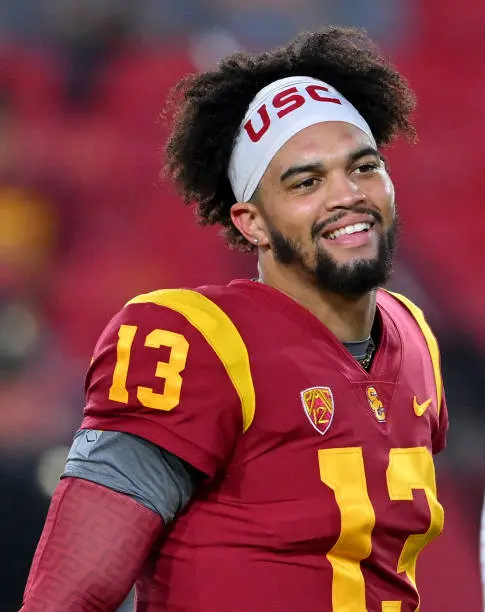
[{"x": 138, "y": 468}]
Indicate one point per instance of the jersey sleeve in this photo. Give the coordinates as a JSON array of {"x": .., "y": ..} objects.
[{"x": 172, "y": 368}]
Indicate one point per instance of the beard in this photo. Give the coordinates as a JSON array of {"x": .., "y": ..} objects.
[{"x": 353, "y": 279}]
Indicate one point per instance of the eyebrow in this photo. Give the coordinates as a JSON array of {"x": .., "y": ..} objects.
[{"x": 319, "y": 167}]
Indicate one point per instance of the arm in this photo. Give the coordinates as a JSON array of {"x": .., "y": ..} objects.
[
  {"x": 118, "y": 492},
  {"x": 92, "y": 548},
  {"x": 95, "y": 539}
]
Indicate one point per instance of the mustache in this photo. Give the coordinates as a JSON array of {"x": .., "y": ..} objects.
[{"x": 319, "y": 228}]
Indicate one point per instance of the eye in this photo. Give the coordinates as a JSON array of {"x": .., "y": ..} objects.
[
  {"x": 307, "y": 183},
  {"x": 367, "y": 168}
]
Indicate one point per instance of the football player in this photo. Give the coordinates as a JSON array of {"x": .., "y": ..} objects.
[{"x": 266, "y": 445}]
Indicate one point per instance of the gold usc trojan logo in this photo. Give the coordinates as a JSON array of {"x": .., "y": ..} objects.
[
  {"x": 376, "y": 405},
  {"x": 319, "y": 407}
]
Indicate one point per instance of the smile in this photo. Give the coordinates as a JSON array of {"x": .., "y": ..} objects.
[{"x": 348, "y": 229}]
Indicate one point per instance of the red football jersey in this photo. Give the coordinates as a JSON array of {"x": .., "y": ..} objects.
[{"x": 321, "y": 487}]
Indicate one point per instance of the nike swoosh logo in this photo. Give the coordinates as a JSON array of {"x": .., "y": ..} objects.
[{"x": 420, "y": 409}]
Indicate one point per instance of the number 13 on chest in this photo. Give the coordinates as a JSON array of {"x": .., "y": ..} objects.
[{"x": 343, "y": 471}]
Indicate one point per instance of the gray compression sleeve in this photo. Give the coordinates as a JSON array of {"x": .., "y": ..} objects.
[{"x": 128, "y": 464}]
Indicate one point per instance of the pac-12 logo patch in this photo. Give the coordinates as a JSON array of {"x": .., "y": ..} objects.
[{"x": 319, "y": 407}]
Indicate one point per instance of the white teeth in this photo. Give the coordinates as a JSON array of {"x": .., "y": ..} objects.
[{"x": 349, "y": 229}]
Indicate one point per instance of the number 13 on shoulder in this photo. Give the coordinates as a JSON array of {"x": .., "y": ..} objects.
[{"x": 168, "y": 370}]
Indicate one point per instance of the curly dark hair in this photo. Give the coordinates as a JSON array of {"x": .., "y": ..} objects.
[{"x": 207, "y": 109}]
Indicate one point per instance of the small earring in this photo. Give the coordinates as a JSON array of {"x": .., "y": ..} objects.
[{"x": 256, "y": 241}]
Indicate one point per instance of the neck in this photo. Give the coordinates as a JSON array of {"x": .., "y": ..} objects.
[{"x": 349, "y": 318}]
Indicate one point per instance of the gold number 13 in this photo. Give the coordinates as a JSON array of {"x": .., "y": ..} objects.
[
  {"x": 169, "y": 370},
  {"x": 342, "y": 469}
]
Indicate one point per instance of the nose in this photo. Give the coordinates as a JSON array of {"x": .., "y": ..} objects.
[{"x": 342, "y": 191}]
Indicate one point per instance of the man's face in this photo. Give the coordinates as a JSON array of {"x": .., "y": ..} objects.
[{"x": 327, "y": 203}]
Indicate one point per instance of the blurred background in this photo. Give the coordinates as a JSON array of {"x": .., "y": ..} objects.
[{"x": 85, "y": 223}]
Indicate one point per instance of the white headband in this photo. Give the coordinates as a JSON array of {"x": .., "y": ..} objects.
[{"x": 277, "y": 113}]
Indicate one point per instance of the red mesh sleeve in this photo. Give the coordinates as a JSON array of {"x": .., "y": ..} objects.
[{"x": 91, "y": 550}]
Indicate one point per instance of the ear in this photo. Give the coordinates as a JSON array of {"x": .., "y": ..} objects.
[{"x": 247, "y": 218}]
